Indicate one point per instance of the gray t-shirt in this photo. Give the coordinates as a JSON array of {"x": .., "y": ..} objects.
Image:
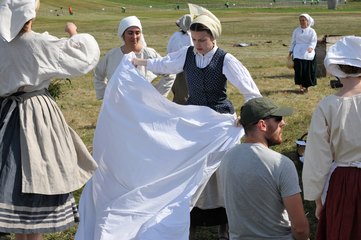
[{"x": 255, "y": 180}]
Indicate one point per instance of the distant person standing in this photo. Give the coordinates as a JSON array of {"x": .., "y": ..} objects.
[
  {"x": 261, "y": 187},
  {"x": 70, "y": 9},
  {"x": 179, "y": 39},
  {"x": 303, "y": 44}
]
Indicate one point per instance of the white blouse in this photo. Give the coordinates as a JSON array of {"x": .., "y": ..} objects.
[
  {"x": 32, "y": 60},
  {"x": 302, "y": 39},
  {"x": 233, "y": 69},
  {"x": 333, "y": 136}
]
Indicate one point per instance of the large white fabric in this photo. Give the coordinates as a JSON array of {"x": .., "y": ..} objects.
[{"x": 153, "y": 155}]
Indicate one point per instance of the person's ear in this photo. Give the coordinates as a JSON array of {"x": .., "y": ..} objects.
[{"x": 262, "y": 125}]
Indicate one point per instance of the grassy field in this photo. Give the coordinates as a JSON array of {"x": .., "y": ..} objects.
[{"x": 267, "y": 27}]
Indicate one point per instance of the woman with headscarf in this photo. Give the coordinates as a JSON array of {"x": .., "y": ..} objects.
[
  {"x": 302, "y": 49},
  {"x": 331, "y": 170},
  {"x": 179, "y": 39},
  {"x": 131, "y": 32},
  {"x": 42, "y": 160},
  {"x": 207, "y": 69}
]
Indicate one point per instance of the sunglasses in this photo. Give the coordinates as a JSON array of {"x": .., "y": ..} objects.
[{"x": 276, "y": 118}]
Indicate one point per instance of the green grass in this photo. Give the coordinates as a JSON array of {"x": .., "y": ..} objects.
[{"x": 268, "y": 27}]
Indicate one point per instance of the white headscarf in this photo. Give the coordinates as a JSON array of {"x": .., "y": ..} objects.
[
  {"x": 346, "y": 51},
  {"x": 131, "y": 21},
  {"x": 13, "y": 15},
  {"x": 310, "y": 21},
  {"x": 205, "y": 17},
  {"x": 184, "y": 22}
]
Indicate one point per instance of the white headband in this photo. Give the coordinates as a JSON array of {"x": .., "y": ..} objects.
[
  {"x": 128, "y": 22},
  {"x": 310, "y": 21}
]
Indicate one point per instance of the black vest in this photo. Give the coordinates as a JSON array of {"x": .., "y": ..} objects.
[{"x": 207, "y": 86}]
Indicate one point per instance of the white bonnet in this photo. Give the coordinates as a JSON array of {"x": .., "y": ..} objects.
[
  {"x": 184, "y": 22},
  {"x": 346, "y": 51},
  {"x": 205, "y": 17},
  {"x": 127, "y": 22},
  {"x": 13, "y": 15},
  {"x": 310, "y": 21}
]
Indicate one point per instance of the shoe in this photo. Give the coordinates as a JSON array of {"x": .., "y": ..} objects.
[{"x": 303, "y": 90}]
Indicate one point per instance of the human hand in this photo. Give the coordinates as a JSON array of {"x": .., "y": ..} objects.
[
  {"x": 318, "y": 208},
  {"x": 237, "y": 122},
  {"x": 71, "y": 28},
  {"x": 139, "y": 62},
  {"x": 309, "y": 50}
]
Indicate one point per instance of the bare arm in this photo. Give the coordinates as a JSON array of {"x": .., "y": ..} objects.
[
  {"x": 296, "y": 213},
  {"x": 71, "y": 28},
  {"x": 319, "y": 207}
]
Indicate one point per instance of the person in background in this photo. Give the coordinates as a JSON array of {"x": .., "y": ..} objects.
[
  {"x": 130, "y": 30},
  {"x": 261, "y": 187},
  {"x": 42, "y": 160},
  {"x": 207, "y": 69},
  {"x": 331, "y": 171},
  {"x": 302, "y": 49},
  {"x": 179, "y": 39},
  {"x": 70, "y": 9}
]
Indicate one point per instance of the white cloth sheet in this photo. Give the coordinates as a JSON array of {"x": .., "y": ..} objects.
[{"x": 153, "y": 155}]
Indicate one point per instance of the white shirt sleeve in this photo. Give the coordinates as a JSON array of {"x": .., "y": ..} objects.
[
  {"x": 100, "y": 80},
  {"x": 105, "y": 69},
  {"x": 171, "y": 64},
  {"x": 240, "y": 77}
]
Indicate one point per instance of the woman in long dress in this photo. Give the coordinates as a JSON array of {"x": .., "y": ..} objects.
[
  {"x": 42, "y": 160},
  {"x": 331, "y": 171},
  {"x": 302, "y": 49}
]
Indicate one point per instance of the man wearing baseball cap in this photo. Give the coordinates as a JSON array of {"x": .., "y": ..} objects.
[{"x": 261, "y": 187}]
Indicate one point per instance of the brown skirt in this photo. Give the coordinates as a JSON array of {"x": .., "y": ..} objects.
[{"x": 341, "y": 215}]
